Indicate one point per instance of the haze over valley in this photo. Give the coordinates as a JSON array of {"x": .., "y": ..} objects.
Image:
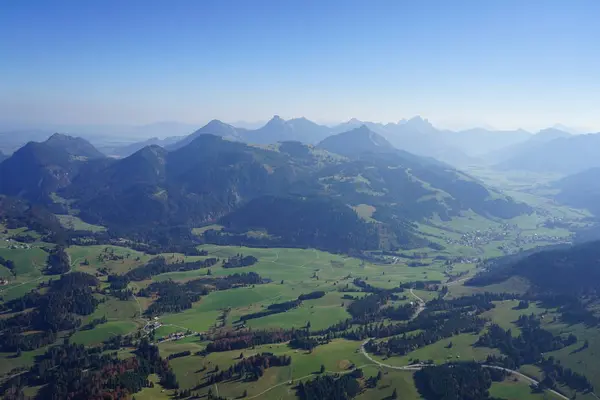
[{"x": 429, "y": 257}]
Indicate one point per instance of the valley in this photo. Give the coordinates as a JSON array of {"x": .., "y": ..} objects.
[{"x": 328, "y": 327}]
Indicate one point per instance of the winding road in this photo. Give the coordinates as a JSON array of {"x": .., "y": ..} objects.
[{"x": 416, "y": 367}]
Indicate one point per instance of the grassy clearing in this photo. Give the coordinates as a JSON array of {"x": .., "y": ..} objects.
[
  {"x": 518, "y": 389},
  {"x": 75, "y": 223},
  {"x": 103, "y": 332},
  {"x": 337, "y": 356},
  {"x": 200, "y": 231},
  {"x": 319, "y": 317},
  {"x": 365, "y": 211},
  {"x": 583, "y": 361},
  {"x": 97, "y": 256},
  {"x": 505, "y": 314},
  {"x": 516, "y": 285},
  {"x": 28, "y": 262},
  {"x": 9, "y": 362},
  {"x": 456, "y": 348}
]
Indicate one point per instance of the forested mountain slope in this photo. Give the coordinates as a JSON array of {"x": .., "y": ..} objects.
[{"x": 211, "y": 177}]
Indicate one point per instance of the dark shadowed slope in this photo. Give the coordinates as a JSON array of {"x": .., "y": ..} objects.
[
  {"x": 38, "y": 169},
  {"x": 581, "y": 190}
]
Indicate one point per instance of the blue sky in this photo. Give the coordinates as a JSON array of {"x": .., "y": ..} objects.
[{"x": 501, "y": 63}]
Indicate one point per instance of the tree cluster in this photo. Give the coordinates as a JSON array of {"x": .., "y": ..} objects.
[
  {"x": 329, "y": 387},
  {"x": 159, "y": 265},
  {"x": 528, "y": 347},
  {"x": 239, "y": 261},
  {"x": 460, "y": 381},
  {"x": 249, "y": 369}
]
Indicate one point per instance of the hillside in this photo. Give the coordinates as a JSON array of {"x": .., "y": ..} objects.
[
  {"x": 573, "y": 271},
  {"x": 564, "y": 155},
  {"x": 75, "y": 146},
  {"x": 211, "y": 177},
  {"x": 38, "y": 169},
  {"x": 581, "y": 190}
]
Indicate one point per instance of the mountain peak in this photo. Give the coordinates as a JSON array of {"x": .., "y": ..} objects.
[
  {"x": 356, "y": 141},
  {"x": 60, "y": 137},
  {"x": 276, "y": 120},
  {"x": 74, "y": 146},
  {"x": 216, "y": 122}
]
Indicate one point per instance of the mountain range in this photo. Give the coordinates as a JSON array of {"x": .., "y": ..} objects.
[
  {"x": 516, "y": 149},
  {"x": 213, "y": 179}
]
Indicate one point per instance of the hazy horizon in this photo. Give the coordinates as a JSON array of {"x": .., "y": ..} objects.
[{"x": 465, "y": 64}]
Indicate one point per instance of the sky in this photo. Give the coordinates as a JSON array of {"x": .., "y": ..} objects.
[{"x": 503, "y": 64}]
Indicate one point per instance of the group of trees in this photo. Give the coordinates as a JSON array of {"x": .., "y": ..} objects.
[
  {"x": 71, "y": 371},
  {"x": 283, "y": 307},
  {"x": 56, "y": 309},
  {"x": 307, "y": 222},
  {"x": 402, "y": 345},
  {"x": 249, "y": 369},
  {"x": 460, "y": 381},
  {"x": 179, "y": 355},
  {"x": 10, "y": 264},
  {"x": 400, "y": 313},
  {"x": 528, "y": 347},
  {"x": 59, "y": 261},
  {"x": 159, "y": 265},
  {"x": 554, "y": 372},
  {"x": 246, "y": 339},
  {"x": 272, "y": 309},
  {"x": 239, "y": 261},
  {"x": 175, "y": 297},
  {"x": 331, "y": 387},
  {"x": 312, "y": 295}
]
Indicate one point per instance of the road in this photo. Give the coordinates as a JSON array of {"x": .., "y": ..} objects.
[{"x": 416, "y": 367}]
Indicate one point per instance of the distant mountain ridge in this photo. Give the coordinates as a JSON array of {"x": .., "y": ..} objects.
[
  {"x": 563, "y": 155},
  {"x": 417, "y": 135},
  {"x": 516, "y": 150},
  {"x": 356, "y": 141}
]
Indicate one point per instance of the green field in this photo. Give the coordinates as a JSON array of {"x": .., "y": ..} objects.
[
  {"x": 75, "y": 223},
  {"x": 466, "y": 238}
]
